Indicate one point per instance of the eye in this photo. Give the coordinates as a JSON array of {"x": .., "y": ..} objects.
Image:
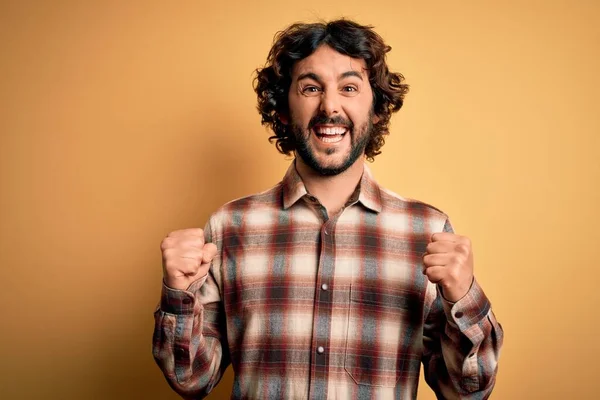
[
  {"x": 350, "y": 89},
  {"x": 311, "y": 89}
]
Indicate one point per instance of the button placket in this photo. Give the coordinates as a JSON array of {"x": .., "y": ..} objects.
[{"x": 323, "y": 306}]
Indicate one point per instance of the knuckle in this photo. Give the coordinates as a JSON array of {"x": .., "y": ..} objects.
[
  {"x": 463, "y": 248},
  {"x": 195, "y": 232},
  {"x": 166, "y": 243},
  {"x": 169, "y": 253}
]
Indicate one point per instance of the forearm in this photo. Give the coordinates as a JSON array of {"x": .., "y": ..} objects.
[
  {"x": 186, "y": 343},
  {"x": 472, "y": 367},
  {"x": 464, "y": 362}
]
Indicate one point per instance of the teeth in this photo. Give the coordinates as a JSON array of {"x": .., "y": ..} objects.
[
  {"x": 335, "y": 130},
  {"x": 332, "y": 139}
]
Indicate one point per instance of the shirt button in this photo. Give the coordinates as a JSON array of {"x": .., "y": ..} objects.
[
  {"x": 459, "y": 314},
  {"x": 325, "y": 231},
  {"x": 320, "y": 350},
  {"x": 180, "y": 351},
  {"x": 324, "y": 286}
]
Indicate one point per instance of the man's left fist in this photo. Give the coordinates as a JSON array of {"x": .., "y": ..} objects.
[{"x": 449, "y": 263}]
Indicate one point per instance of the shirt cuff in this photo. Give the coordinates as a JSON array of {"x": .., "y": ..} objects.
[
  {"x": 469, "y": 310},
  {"x": 180, "y": 302}
]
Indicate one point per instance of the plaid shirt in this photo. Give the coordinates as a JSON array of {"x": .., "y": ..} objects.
[{"x": 306, "y": 306}]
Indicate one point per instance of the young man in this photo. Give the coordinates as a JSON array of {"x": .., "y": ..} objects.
[{"x": 327, "y": 285}]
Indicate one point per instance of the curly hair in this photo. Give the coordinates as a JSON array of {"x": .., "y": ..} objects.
[{"x": 299, "y": 41}]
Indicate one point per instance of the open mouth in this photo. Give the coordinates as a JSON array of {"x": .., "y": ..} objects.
[{"x": 330, "y": 134}]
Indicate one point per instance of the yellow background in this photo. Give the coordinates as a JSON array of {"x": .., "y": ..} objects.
[{"x": 121, "y": 121}]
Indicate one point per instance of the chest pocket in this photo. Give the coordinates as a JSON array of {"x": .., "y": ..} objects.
[{"x": 380, "y": 336}]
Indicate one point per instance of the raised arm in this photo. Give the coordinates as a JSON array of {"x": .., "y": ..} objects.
[
  {"x": 189, "y": 343},
  {"x": 461, "y": 337}
]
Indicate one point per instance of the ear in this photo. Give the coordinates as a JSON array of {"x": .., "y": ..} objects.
[
  {"x": 283, "y": 119},
  {"x": 375, "y": 119}
]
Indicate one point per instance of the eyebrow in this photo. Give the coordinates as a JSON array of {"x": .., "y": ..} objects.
[
  {"x": 315, "y": 77},
  {"x": 351, "y": 73}
]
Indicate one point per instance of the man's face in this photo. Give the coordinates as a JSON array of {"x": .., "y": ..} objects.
[{"x": 331, "y": 103}]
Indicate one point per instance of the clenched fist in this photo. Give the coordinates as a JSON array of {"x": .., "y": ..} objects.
[
  {"x": 186, "y": 258},
  {"x": 449, "y": 263}
]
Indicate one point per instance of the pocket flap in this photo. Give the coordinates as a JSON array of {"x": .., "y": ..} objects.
[{"x": 378, "y": 296}]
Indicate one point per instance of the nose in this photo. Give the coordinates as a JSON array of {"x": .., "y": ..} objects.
[{"x": 330, "y": 103}]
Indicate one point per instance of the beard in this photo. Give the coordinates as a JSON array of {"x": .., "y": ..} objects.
[{"x": 359, "y": 138}]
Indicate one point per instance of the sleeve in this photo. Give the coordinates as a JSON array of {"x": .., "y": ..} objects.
[
  {"x": 190, "y": 341},
  {"x": 462, "y": 343}
]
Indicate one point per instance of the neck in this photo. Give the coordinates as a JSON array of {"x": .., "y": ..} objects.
[{"x": 332, "y": 191}]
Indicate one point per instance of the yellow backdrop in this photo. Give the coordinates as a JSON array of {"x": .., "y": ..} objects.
[{"x": 122, "y": 121}]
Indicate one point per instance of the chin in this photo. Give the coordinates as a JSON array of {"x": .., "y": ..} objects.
[{"x": 330, "y": 169}]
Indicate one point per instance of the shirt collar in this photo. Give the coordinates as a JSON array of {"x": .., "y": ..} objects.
[{"x": 368, "y": 190}]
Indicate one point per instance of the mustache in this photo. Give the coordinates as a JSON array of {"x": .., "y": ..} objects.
[{"x": 322, "y": 119}]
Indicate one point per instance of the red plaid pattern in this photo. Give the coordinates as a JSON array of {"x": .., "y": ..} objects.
[{"x": 306, "y": 306}]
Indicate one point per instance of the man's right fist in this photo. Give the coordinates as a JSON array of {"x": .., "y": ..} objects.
[{"x": 185, "y": 257}]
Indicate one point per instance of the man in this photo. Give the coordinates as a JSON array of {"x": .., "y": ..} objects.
[{"x": 327, "y": 285}]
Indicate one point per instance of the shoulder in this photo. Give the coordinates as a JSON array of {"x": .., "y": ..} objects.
[
  {"x": 394, "y": 203},
  {"x": 235, "y": 211}
]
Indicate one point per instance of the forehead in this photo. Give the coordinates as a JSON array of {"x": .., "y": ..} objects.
[{"x": 329, "y": 64}]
